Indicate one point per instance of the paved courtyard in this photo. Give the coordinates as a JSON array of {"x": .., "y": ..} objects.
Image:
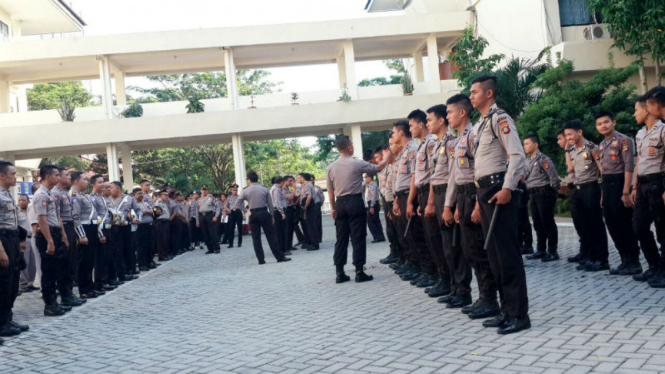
[{"x": 224, "y": 314}]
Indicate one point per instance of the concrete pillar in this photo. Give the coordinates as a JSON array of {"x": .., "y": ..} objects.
[
  {"x": 433, "y": 61},
  {"x": 112, "y": 162},
  {"x": 4, "y": 95},
  {"x": 105, "y": 79},
  {"x": 355, "y": 133},
  {"x": 341, "y": 71},
  {"x": 120, "y": 95},
  {"x": 350, "y": 69},
  {"x": 239, "y": 160},
  {"x": 231, "y": 78},
  {"x": 127, "y": 173},
  {"x": 22, "y": 95},
  {"x": 419, "y": 74},
  {"x": 15, "y": 29}
]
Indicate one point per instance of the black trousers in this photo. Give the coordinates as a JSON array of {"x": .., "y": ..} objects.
[
  {"x": 299, "y": 224},
  {"x": 195, "y": 232},
  {"x": 143, "y": 237},
  {"x": 235, "y": 221},
  {"x": 416, "y": 237},
  {"x": 524, "y": 234},
  {"x": 319, "y": 222},
  {"x": 459, "y": 269},
  {"x": 9, "y": 276},
  {"x": 119, "y": 240},
  {"x": 71, "y": 255},
  {"x": 433, "y": 236},
  {"x": 183, "y": 242},
  {"x": 584, "y": 251},
  {"x": 176, "y": 236},
  {"x": 289, "y": 226},
  {"x": 350, "y": 223},
  {"x": 590, "y": 215},
  {"x": 310, "y": 219},
  {"x": 618, "y": 218},
  {"x": 409, "y": 252},
  {"x": 542, "y": 201},
  {"x": 374, "y": 222},
  {"x": 209, "y": 229},
  {"x": 129, "y": 251},
  {"x": 504, "y": 253},
  {"x": 280, "y": 230},
  {"x": 86, "y": 263},
  {"x": 163, "y": 238},
  {"x": 260, "y": 218},
  {"x": 473, "y": 240},
  {"x": 104, "y": 261},
  {"x": 649, "y": 209},
  {"x": 54, "y": 267},
  {"x": 391, "y": 230}
]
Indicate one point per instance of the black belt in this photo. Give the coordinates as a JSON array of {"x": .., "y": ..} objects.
[
  {"x": 538, "y": 190},
  {"x": 68, "y": 223},
  {"x": 490, "y": 180},
  {"x": 614, "y": 177},
  {"x": 423, "y": 188},
  {"x": 440, "y": 188},
  {"x": 264, "y": 209},
  {"x": 8, "y": 233},
  {"x": 291, "y": 207},
  {"x": 345, "y": 197},
  {"x": 649, "y": 178},
  {"x": 403, "y": 193},
  {"x": 204, "y": 213},
  {"x": 586, "y": 185},
  {"x": 466, "y": 189}
]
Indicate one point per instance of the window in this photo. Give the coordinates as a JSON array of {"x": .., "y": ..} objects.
[
  {"x": 576, "y": 13},
  {"x": 4, "y": 32}
]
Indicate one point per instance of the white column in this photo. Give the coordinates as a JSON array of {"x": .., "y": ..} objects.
[
  {"x": 231, "y": 78},
  {"x": 16, "y": 28},
  {"x": 127, "y": 173},
  {"x": 341, "y": 70},
  {"x": 239, "y": 160},
  {"x": 433, "y": 61},
  {"x": 22, "y": 95},
  {"x": 350, "y": 68},
  {"x": 105, "y": 79},
  {"x": 418, "y": 66},
  {"x": 120, "y": 95},
  {"x": 355, "y": 133},
  {"x": 112, "y": 162},
  {"x": 4, "y": 95}
]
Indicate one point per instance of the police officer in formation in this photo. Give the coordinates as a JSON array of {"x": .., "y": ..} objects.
[
  {"x": 236, "y": 213},
  {"x": 371, "y": 198},
  {"x": 208, "y": 212}
]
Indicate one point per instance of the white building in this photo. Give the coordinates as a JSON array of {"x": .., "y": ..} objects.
[{"x": 423, "y": 32}]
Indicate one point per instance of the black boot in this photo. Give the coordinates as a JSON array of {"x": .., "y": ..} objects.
[
  {"x": 526, "y": 249},
  {"x": 53, "y": 310},
  {"x": 361, "y": 276},
  {"x": 440, "y": 289},
  {"x": 551, "y": 256},
  {"x": 488, "y": 307},
  {"x": 428, "y": 280},
  {"x": 617, "y": 270},
  {"x": 633, "y": 267},
  {"x": 536, "y": 256},
  {"x": 341, "y": 276},
  {"x": 460, "y": 301}
]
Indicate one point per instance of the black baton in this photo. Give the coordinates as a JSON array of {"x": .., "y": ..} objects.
[
  {"x": 455, "y": 235},
  {"x": 408, "y": 224},
  {"x": 492, "y": 224}
]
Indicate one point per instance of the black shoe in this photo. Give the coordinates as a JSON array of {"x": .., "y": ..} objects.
[
  {"x": 470, "y": 308},
  {"x": 617, "y": 270},
  {"x": 645, "y": 276},
  {"x": 403, "y": 270},
  {"x": 287, "y": 253},
  {"x": 388, "y": 260},
  {"x": 313, "y": 248},
  {"x": 527, "y": 249},
  {"x": 2, "y": 342},
  {"x": 550, "y": 257},
  {"x": 658, "y": 281},
  {"x": 209, "y": 252},
  {"x": 488, "y": 308},
  {"x": 9, "y": 330},
  {"x": 446, "y": 299},
  {"x": 514, "y": 325},
  {"x": 116, "y": 283},
  {"x": 70, "y": 301},
  {"x": 409, "y": 276},
  {"x": 361, "y": 276},
  {"x": 156, "y": 264},
  {"x": 284, "y": 259},
  {"x": 231, "y": 246},
  {"x": 342, "y": 277},
  {"x": 460, "y": 301},
  {"x": 53, "y": 310},
  {"x": 143, "y": 268},
  {"x": 90, "y": 295},
  {"x": 427, "y": 281},
  {"x": 294, "y": 248},
  {"x": 395, "y": 265},
  {"x": 632, "y": 268},
  {"x": 130, "y": 277},
  {"x": 98, "y": 292},
  {"x": 33, "y": 288},
  {"x": 66, "y": 308},
  {"x": 108, "y": 287},
  {"x": 536, "y": 256},
  {"x": 598, "y": 266},
  {"x": 498, "y": 321},
  {"x": 151, "y": 266},
  {"x": 135, "y": 272},
  {"x": 577, "y": 258},
  {"x": 262, "y": 262},
  {"x": 218, "y": 251},
  {"x": 584, "y": 266},
  {"x": 439, "y": 289},
  {"x": 415, "y": 281}
]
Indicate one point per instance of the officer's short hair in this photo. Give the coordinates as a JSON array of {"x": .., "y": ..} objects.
[
  {"x": 25, "y": 195},
  {"x": 94, "y": 178},
  {"x": 35, "y": 187},
  {"x": 76, "y": 175},
  {"x": 117, "y": 184},
  {"x": 418, "y": 116},
  {"x": 404, "y": 126},
  {"x": 368, "y": 155},
  {"x": 573, "y": 125},
  {"x": 277, "y": 180},
  {"x": 135, "y": 190},
  {"x": 47, "y": 170},
  {"x": 172, "y": 193},
  {"x": 252, "y": 176},
  {"x": 4, "y": 166},
  {"x": 380, "y": 148},
  {"x": 440, "y": 111},
  {"x": 642, "y": 100},
  {"x": 461, "y": 101},
  {"x": 288, "y": 177},
  {"x": 560, "y": 133},
  {"x": 342, "y": 143},
  {"x": 487, "y": 82},
  {"x": 603, "y": 113},
  {"x": 143, "y": 181},
  {"x": 533, "y": 137},
  {"x": 657, "y": 95}
]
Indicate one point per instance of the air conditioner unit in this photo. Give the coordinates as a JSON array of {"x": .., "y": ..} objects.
[
  {"x": 598, "y": 31},
  {"x": 386, "y": 5}
]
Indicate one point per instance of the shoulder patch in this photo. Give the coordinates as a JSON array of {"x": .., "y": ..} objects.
[
  {"x": 505, "y": 127},
  {"x": 546, "y": 165},
  {"x": 625, "y": 145}
]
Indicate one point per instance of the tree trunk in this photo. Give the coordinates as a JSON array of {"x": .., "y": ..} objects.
[
  {"x": 643, "y": 79},
  {"x": 656, "y": 67}
]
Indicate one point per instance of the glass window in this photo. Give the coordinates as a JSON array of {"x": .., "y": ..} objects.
[
  {"x": 576, "y": 13},
  {"x": 4, "y": 32}
]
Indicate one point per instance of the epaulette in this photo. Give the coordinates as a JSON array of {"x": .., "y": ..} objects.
[
  {"x": 570, "y": 149},
  {"x": 590, "y": 144}
]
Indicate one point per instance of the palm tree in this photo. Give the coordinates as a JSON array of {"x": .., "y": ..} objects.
[{"x": 515, "y": 80}]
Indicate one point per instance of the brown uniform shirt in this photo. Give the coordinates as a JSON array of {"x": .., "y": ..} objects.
[
  {"x": 616, "y": 155},
  {"x": 651, "y": 149},
  {"x": 585, "y": 164}
]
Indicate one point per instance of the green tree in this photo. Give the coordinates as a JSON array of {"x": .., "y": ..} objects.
[
  {"x": 637, "y": 28},
  {"x": 564, "y": 99},
  {"x": 67, "y": 162},
  {"x": 467, "y": 55},
  {"x": 515, "y": 84},
  {"x": 44, "y": 96}
]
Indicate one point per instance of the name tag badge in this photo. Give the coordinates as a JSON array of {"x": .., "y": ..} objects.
[{"x": 10, "y": 207}]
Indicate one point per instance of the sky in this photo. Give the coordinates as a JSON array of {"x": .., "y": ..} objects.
[{"x": 105, "y": 17}]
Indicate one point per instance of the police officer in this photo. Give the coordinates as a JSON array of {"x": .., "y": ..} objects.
[
  {"x": 10, "y": 250},
  {"x": 121, "y": 232},
  {"x": 208, "y": 220},
  {"x": 260, "y": 206},
  {"x": 344, "y": 182},
  {"x": 542, "y": 183},
  {"x": 279, "y": 213},
  {"x": 648, "y": 187},
  {"x": 318, "y": 214},
  {"x": 103, "y": 257},
  {"x": 387, "y": 199},
  {"x": 497, "y": 141},
  {"x": 51, "y": 242},
  {"x": 373, "y": 209},
  {"x": 193, "y": 214},
  {"x": 461, "y": 195},
  {"x": 290, "y": 211},
  {"x": 235, "y": 212},
  {"x": 144, "y": 231},
  {"x": 85, "y": 223},
  {"x": 308, "y": 201},
  {"x": 616, "y": 167},
  {"x": 434, "y": 266},
  {"x": 401, "y": 265},
  {"x": 163, "y": 226},
  {"x": 585, "y": 174},
  {"x": 456, "y": 278}
]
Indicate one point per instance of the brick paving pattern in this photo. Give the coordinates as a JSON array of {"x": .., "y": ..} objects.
[{"x": 224, "y": 314}]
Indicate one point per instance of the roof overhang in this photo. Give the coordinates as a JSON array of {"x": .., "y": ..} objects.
[{"x": 42, "y": 16}]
